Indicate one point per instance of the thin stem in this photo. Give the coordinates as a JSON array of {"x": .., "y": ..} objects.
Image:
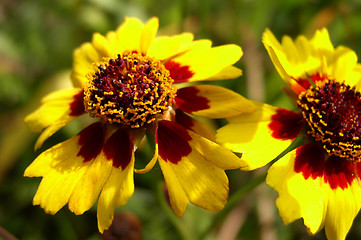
[
  {"x": 6, "y": 235},
  {"x": 176, "y": 221}
]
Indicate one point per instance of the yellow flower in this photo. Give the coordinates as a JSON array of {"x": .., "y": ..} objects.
[
  {"x": 126, "y": 81},
  {"x": 318, "y": 181}
]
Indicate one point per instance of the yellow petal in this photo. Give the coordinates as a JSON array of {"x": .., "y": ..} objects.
[
  {"x": 343, "y": 206},
  {"x": 61, "y": 170},
  {"x": 164, "y": 47},
  {"x": 129, "y": 34},
  {"x": 321, "y": 40},
  {"x": 49, "y": 131},
  {"x": 298, "y": 197},
  {"x": 354, "y": 79},
  {"x": 148, "y": 34},
  {"x": 126, "y": 37},
  {"x": 324, "y": 192},
  {"x": 301, "y": 59},
  {"x": 101, "y": 45},
  {"x": 195, "y": 180},
  {"x": 261, "y": 135},
  {"x": 342, "y": 64},
  {"x": 177, "y": 196},
  {"x": 203, "y": 63},
  {"x": 192, "y": 168},
  {"x": 276, "y": 54},
  {"x": 212, "y": 101},
  {"x": 63, "y": 165},
  {"x": 83, "y": 59},
  {"x": 116, "y": 192},
  {"x": 293, "y": 59},
  {"x": 57, "y": 110},
  {"x": 88, "y": 188},
  {"x": 194, "y": 125},
  {"x": 341, "y": 178},
  {"x": 55, "y": 107},
  {"x": 119, "y": 150},
  {"x": 215, "y": 153},
  {"x": 229, "y": 72}
]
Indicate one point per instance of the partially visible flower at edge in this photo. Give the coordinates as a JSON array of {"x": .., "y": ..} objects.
[
  {"x": 127, "y": 81},
  {"x": 318, "y": 181}
]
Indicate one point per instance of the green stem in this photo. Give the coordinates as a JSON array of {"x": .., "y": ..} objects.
[
  {"x": 233, "y": 201},
  {"x": 6, "y": 235},
  {"x": 176, "y": 221}
]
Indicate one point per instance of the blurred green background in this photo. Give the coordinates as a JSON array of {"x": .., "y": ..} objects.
[{"x": 37, "y": 38}]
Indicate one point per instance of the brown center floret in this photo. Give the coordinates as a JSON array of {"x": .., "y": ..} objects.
[
  {"x": 131, "y": 90},
  {"x": 332, "y": 111}
]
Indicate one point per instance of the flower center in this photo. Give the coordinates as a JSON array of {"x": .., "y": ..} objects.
[
  {"x": 131, "y": 89},
  {"x": 332, "y": 111}
]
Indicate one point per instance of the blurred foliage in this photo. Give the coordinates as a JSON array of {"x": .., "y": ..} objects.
[{"x": 37, "y": 38}]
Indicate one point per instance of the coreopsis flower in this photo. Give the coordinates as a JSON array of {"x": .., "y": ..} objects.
[
  {"x": 126, "y": 82},
  {"x": 318, "y": 181}
]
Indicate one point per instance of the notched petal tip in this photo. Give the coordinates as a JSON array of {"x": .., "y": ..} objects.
[{"x": 116, "y": 192}]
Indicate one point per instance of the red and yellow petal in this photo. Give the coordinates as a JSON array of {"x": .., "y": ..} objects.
[
  {"x": 261, "y": 135},
  {"x": 193, "y": 168},
  {"x": 212, "y": 101},
  {"x": 53, "y": 107},
  {"x": 79, "y": 169},
  {"x": 57, "y": 109},
  {"x": 324, "y": 192},
  {"x": 341, "y": 178},
  {"x": 203, "y": 63},
  {"x": 298, "y": 197},
  {"x": 119, "y": 187},
  {"x": 193, "y": 124},
  {"x": 63, "y": 165}
]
